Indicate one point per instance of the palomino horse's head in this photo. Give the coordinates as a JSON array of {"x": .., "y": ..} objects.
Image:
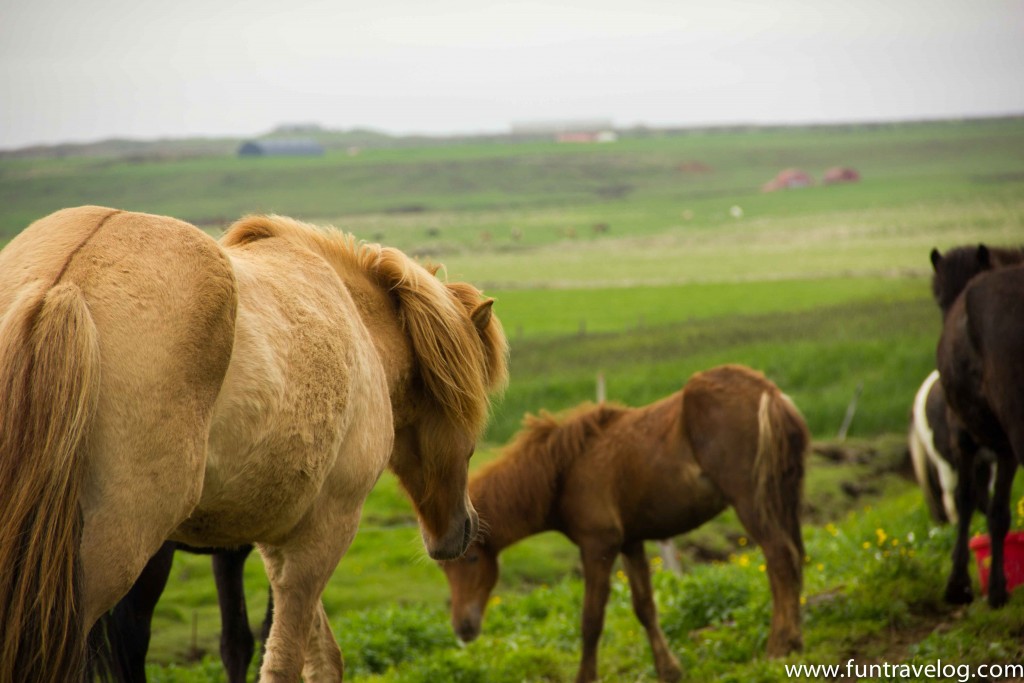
[
  {"x": 471, "y": 579},
  {"x": 438, "y": 422},
  {"x": 445, "y": 354}
]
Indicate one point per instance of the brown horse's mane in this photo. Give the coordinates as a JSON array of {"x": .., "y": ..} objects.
[
  {"x": 459, "y": 371},
  {"x": 518, "y": 487}
]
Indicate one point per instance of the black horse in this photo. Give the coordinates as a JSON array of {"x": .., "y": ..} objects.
[
  {"x": 120, "y": 640},
  {"x": 980, "y": 358}
]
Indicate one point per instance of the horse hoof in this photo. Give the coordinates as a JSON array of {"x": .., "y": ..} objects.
[
  {"x": 997, "y": 599},
  {"x": 671, "y": 676},
  {"x": 959, "y": 595}
]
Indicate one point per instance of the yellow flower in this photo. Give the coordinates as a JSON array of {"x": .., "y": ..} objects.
[
  {"x": 880, "y": 533},
  {"x": 761, "y": 567},
  {"x": 742, "y": 541},
  {"x": 803, "y": 600},
  {"x": 820, "y": 567},
  {"x": 744, "y": 560},
  {"x": 494, "y": 601},
  {"x": 831, "y": 528},
  {"x": 865, "y": 545}
]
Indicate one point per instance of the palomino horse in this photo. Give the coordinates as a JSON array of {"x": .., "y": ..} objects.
[
  {"x": 980, "y": 358},
  {"x": 611, "y": 477},
  {"x": 119, "y": 641},
  {"x": 935, "y": 463},
  {"x": 156, "y": 384}
]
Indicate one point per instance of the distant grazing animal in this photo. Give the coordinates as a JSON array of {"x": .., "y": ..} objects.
[
  {"x": 980, "y": 358},
  {"x": 120, "y": 639},
  {"x": 611, "y": 477},
  {"x": 156, "y": 384},
  {"x": 931, "y": 453}
]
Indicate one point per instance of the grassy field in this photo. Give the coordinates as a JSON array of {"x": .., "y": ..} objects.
[{"x": 623, "y": 261}]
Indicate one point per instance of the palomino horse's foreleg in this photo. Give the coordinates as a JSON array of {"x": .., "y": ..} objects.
[
  {"x": 639, "y": 573},
  {"x": 300, "y": 643},
  {"x": 597, "y": 569},
  {"x": 323, "y": 657},
  {"x": 998, "y": 525}
]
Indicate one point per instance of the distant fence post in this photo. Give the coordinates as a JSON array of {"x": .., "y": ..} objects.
[
  {"x": 602, "y": 390},
  {"x": 850, "y": 410},
  {"x": 669, "y": 558}
]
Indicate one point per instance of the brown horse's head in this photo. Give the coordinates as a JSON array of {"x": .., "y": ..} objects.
[
  {"x": 471, "y": 579},
  {"x": 954, "y": 269}
]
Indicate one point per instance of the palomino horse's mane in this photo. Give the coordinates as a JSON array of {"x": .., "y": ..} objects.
[{"x": 458, "y": 370}]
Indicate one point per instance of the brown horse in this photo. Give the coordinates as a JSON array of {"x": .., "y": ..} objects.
[
  {"x": 156, "y": 384},
  {"x": 980, "y": 358},
  {"x": 611, "y": 477}
]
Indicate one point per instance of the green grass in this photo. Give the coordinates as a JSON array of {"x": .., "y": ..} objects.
[{"x": 824, "y": 289}]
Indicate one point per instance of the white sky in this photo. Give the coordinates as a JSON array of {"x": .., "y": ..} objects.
[{"x": 79, "y": 70}]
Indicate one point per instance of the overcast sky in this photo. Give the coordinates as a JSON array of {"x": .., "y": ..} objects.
[{"x": 81, "y": 70}]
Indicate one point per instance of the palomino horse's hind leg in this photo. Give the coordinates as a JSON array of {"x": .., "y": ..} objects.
[
  {"x": 129, "y": 514},
  {"x": 639, "y": 573}
]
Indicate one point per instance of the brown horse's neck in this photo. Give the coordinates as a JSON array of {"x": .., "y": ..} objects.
[
  {"x": 514, "y": 498},
  {"x": 516, "y": 495}
]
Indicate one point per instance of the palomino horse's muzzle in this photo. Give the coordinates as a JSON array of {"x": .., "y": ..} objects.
[{"x": 462, "y": 529}]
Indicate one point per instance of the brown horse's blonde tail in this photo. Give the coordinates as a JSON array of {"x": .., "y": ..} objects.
[
  {"x": 782, "y": 443},
  {"x": 49, "y": 388}
]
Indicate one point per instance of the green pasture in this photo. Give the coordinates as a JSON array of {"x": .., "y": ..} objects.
[{"x": 641, "y": 262}]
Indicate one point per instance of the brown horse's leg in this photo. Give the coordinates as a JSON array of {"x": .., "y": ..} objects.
[
  {"x": 597, "y": 569},
  {"x": 958, "y": 586},
  {"x": 639, "y": 573},
  {"x": 784, "y": 567},
  {"x": 998, "y": 525}
]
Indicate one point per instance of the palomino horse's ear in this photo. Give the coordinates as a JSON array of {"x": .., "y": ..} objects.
[
  {"x": 481, "y": 315},
  {"x": 984, "y": 257},
  {"x": 936, "y": 258}
]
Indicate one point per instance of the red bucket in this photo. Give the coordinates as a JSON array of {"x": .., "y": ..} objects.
[{"x": 1013, "y": 559}]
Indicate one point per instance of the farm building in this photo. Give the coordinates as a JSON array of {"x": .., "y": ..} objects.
[
  {"x": 597, "y": 130},
  {"x": 790, "y": 178},
  {"x": 281, "y": 147},
  {"x": 840, "y": 174}
]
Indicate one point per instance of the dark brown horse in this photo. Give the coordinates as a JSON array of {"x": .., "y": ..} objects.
[
  {"x": 980, "y": 358},
  {"x": 611, "y": 477},
  {"x": 120, "y": 639}
]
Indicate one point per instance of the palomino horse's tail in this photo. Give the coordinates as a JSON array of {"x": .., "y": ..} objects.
[
  {"x": 782, "y": 443},
  {"x": 49, "y": 387}
]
